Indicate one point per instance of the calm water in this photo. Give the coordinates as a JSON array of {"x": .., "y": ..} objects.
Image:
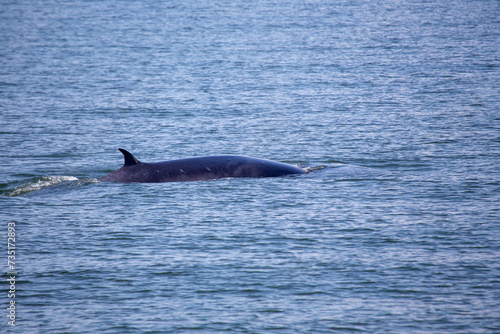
[{"x": 394, "y": 105}]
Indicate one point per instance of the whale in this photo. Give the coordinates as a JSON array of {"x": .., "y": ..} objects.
[{"x": 197, "y": 169}]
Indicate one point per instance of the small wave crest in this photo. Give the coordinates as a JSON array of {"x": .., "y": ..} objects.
[
  {"x": 312, "y": 169},
  {"x": 40, "y": 183}
]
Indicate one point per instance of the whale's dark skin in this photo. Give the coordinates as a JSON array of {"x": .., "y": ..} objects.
[{"x": 197, "y": 169}]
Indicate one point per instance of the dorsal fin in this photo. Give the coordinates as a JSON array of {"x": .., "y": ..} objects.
[{"x": 130, "y": 160}]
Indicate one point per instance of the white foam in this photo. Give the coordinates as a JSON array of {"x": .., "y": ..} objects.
[{"x": 45, "y": 181}]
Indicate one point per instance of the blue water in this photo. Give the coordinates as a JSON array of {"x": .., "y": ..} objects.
[{"x": 393, "y": 105}]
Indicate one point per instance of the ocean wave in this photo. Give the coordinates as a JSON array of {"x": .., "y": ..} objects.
[{"x": 40, "y": 183}]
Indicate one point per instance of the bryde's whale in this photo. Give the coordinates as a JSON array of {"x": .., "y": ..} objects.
[{"x": 197, "y": 169}]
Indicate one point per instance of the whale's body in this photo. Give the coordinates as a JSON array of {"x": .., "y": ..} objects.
[{"x": 197, "y": 169}]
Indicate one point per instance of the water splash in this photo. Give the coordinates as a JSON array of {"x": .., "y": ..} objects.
[
  {"x": 40, "y": 183},
  {"x": 313, "y": 169}
]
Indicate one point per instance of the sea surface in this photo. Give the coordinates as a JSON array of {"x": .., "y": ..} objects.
[{"x": 393, "y": 107}]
